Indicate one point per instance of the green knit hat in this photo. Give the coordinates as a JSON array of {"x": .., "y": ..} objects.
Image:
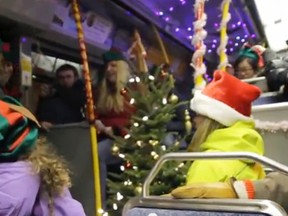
[
  {"x": 18, "y": 130},
  {"x": 112, "y": 55}
]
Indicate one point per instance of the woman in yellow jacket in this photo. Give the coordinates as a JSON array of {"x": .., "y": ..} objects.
[{"x": 224, "y": 124}]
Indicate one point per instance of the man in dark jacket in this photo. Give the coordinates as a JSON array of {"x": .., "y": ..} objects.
[{"x": 65, "y": 104}]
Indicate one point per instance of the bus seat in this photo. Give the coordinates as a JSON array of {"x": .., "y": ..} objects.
[
  {"x": 72, "y": 141},
  {"x": 259, "y": 82},
  {"x": 275, "y": 143},
  {"x": 157, "y": 206}
]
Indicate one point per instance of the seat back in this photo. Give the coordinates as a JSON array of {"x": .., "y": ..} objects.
[
  {"x": 157, "y": 206},
  {"x": 72, "y": 141},
  {"x": 275, "y": 142}
]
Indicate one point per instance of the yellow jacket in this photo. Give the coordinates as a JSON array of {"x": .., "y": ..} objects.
[{"x": 241, "y": 136}]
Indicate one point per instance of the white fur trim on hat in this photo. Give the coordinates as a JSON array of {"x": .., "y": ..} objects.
[{"x": 216, "y": 110}]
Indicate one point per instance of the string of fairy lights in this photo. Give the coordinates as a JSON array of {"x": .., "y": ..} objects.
[{"x": 168, "y": 13}]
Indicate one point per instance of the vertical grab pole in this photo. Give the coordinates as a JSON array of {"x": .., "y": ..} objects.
[{"x": 90, "y": 109}]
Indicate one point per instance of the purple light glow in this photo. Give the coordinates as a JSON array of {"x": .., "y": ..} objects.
[
  {"x": 236, "y": 44},
  {"x": 237, "y": 38},
  {"x": 216, "y": 25},
  {"x": 171, "y": 9},
  {"x": 253, "y": 36},
  {"x": 213, "y": 45},
  {"x": 231, "y": 49},
  {"x": 177, "y": 29},
  {"x": 245, "y": 36},
  {"x": 189, "y": 29},
  {"x": 167, "y": 19},
  {"x": 214, "y": 41},
  {"x": 233, "y": 26},
  {"x": 209, "y": 50},
  {"x": 160, "y": 13},
  {"x": 239, "y": 23},
  {"x": 244, "y": 25},
  {"x": 190, "y": 37},
  {"x": 23, "y": 39},
  {"x": 243, "y": 40},
  {"x": 230, "y": 42}
]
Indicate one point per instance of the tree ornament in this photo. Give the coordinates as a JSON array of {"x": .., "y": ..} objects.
[
  {"x": 173, "y": 99},
  {"x": 115, "y": 150},
  {"x": 153, "y": 142},
  {"x": 188, "y": 122},
  {"x": 123, "y": 92},
  {"x": 138, "y": 190},
  {"x": 128, "y": 165}
]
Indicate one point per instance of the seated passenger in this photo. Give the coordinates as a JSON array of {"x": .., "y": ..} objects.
[
  {"x": 273, "y": 187},
  {"x": 249, "y": 62},
  {"x": 224, "y": 124}
]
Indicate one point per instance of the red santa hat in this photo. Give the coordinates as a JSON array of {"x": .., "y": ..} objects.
[{"x": 226, "y": 99}]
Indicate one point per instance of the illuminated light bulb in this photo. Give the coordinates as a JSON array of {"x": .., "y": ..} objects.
[
  {"x": 245, "y": 36},
  {"x": 131, "y": 80},
  {"x": 145, "y": 118},
  {"x": 151, "y": 77},
  {"x": 121, "y": 155},
  {"x": 189, "y": 29},
  {"x": 132, "y": 101},
  {"x": 127, "y": 136},
  {"x": 167, "y": 19},
  {"x": 243, "y": 40},
  {"x": 244, "y": 25},
  {"x": 137, "y": 79},
  {"x": 122, "y": 168},
  {"x": 233, "y": 26},
  {"x": 231, "y": 49},
  {"x": 236, "y": 44},
  {"x": 136, "y": 124},
  {"x": 171, "y": 9},
  {"x": 177, "y": 29},
  {"x": 213, "y": 46},
  {"x": 253, "y": 36},
  {"x": 115, "y": 206},
  {"x": 238, "y": 23},
  {"x": 237, "y": 38},
  {"x": 164, "y": 101},
  {"x": 160, "y": 13},
  {"x": 190, "y": 37},
  {"x": 119, "y": 196},
  {"x": 209, "y": 50},
  {"x": 214, "y": 41}
]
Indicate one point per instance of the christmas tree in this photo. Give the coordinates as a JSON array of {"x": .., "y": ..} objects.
[{"x": 142, "y": 147}]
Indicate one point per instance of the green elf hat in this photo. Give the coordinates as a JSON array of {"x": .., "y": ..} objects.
[
  {"x": 113, "y": 55},
  {"x": 253, "y": 52},
  {"x": 18, "y": 130},
  {"x": 5, "y": 49}
]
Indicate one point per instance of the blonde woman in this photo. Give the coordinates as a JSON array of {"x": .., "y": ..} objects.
[
  {"x": 33, "y": 179},
  {"x": 113, "y": 110},
  {"x": 224, "y": 124}
]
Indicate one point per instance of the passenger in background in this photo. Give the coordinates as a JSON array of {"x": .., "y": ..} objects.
[
  {"x": 224, "y": 124},
  {"x": 249, "y": 62},
  {"x": 113, "y": 110},
  {"x": 63, "y": 104},
  {"x": 7, "y": 87},
  {"x": 33, "y": 179}
]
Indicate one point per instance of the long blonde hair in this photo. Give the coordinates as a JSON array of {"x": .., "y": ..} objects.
[
  {"x": 206, "y": 127},
  {"x": 53, "y": 170},
  {"x": 115, "y": 102}
]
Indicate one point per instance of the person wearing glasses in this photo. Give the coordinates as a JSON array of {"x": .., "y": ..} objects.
[{"x": 249, "y": 62}]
